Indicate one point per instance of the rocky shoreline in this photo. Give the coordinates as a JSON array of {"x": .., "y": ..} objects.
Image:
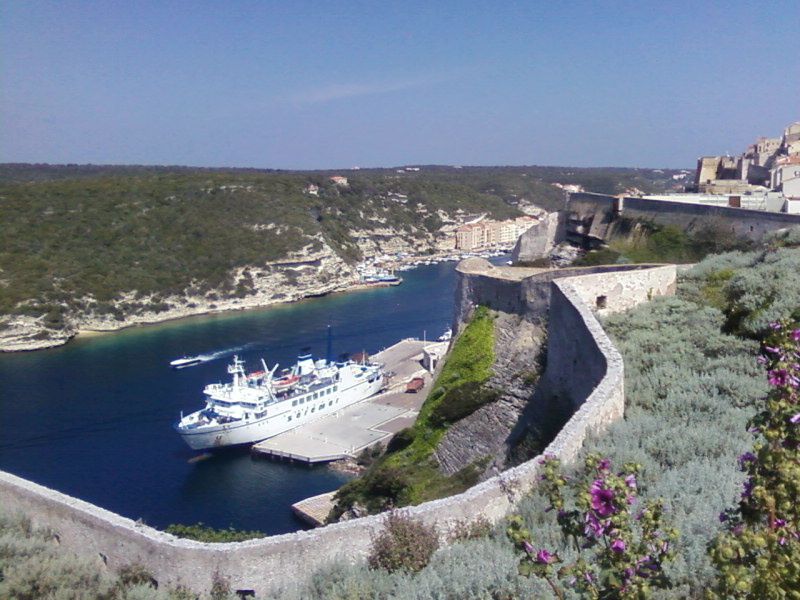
[
  {"x": 300, "y": 276},
  {"x": 276, "y": 283}
]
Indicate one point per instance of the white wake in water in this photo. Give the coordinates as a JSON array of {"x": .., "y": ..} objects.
[{"x": 216, "y": 355}]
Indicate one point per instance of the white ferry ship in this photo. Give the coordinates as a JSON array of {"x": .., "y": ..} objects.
[{"x": 259, "y": 405}]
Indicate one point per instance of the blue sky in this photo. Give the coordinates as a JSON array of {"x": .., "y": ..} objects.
[{"x": 336, "y": 84}]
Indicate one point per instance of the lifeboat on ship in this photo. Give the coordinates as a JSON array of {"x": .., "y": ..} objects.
[
  {"x": 256, "y": 375},
  {"x": 287, "y": 382}
]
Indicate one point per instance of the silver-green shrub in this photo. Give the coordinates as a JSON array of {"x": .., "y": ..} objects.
[{"x": 34, "y": 567}]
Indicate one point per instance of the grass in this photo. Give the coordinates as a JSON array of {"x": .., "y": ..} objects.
[
  {"x": 408, "y": 474},
  {"x": 203, "y": 533},
  {"x": 646, "y": 242}
]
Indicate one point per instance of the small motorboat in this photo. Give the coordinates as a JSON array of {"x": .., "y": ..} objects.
[{"x": 186, "y": 361}]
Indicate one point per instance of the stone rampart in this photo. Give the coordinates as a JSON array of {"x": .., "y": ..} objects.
[
  {"x": 596, "y": 216},
  {"x": 585, "y": 365}
]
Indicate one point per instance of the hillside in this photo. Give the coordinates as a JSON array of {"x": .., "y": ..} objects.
[{"x": 100, "y": 247}]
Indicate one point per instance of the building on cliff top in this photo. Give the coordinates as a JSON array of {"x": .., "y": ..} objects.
[
  {"x": 750, "y": 172},
  {"x": 764, "y": 177}
]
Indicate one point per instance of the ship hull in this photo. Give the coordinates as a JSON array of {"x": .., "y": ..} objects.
[{"x": 281, "y": 419}]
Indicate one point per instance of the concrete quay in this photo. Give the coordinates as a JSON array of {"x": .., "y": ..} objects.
[
  {"x": 314, "y": 510},
  {"x": 347, "y": 432}
]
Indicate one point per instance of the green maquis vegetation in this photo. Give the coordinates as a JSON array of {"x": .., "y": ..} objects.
[
  {"x": 72, "y": 245},
  {"x": 408, "y": 474},
  {"x": 74, "y": 238},
  {"x": 643, "y": 242},
  {"x": 203, "y": 533}
]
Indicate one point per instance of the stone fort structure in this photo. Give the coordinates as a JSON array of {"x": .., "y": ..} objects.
[
  {"x": 588, "y": 219},
  {"x": 569, "y": 300}
]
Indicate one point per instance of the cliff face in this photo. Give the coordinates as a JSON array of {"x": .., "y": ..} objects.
[
  {"x": 540, "y": 240},
  {"x": 300, "y": 275},
  {"x": 313, "y": 270}
]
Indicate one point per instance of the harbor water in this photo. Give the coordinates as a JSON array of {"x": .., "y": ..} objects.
[{"x": 94, "y": 418}]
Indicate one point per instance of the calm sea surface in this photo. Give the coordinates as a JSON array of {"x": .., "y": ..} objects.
[{"x": 94, "y": 418}]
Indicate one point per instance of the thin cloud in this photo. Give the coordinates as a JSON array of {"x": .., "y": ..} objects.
[{"x": 340, "y": 91}]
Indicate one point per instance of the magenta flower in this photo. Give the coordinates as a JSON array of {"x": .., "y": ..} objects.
[
  {"x": 604, "y": 464},
  {"x": 630, "y": 481},
  {"x": 602, "y": 498},
  {"x": 748, "y": 489},
  {"x": 796, "y": 335},
  {"x": 776, "y": 325},
  {"x": 795, "y": 419},
  {"x": 778, "y": 377},
  {"x": 618, "y": 545},
  {"x": 527, "y": 545},
  {"x": 745, "y": 458},
  {"x": 544, "y": 557},
  {"x": 593, "y": 525}
]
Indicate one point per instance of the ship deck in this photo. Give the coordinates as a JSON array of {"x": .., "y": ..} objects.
[{"x": 347, "y": 432}]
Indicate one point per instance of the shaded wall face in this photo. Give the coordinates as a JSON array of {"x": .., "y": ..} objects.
[{"x": 595, "y": 216}]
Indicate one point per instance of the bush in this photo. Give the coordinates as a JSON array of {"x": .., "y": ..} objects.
[
  {"x": 462, "y": 401},
  {"x": 203, "y": 533},
  {"x": 404, "y": 545},
  {"x": 758, "y": 553}
]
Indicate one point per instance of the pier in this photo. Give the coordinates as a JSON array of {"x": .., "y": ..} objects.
[
  {"x": 374, "y": 420},
  {"x": 314, "y": 510}
]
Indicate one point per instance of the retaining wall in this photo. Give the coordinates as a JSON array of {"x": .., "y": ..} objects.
[
  {"x": 596, "y": 215},
  {"x": 577, "y": 343}
]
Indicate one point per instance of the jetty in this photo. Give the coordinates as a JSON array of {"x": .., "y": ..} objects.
[{"x": 345, "y": 433}]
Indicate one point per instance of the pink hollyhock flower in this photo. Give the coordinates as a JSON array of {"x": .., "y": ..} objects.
[
  {"x": 778, "y": 377},
  {"x": 593, "y": 525},
  {"x": 602, "y": 498},
  {"x": 544, "y": 557},
  {"x": 618, "y": 545}
]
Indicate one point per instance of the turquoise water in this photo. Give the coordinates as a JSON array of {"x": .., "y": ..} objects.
[{"x": 94, "y": 418}]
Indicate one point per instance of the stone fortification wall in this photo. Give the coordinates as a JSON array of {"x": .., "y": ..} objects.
[
  {"x": 527, "y": 291},
  {"x": 576, "y": 339},
  {"x": 595, "y": 216},
  {"x": 752, "y": 224}
]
